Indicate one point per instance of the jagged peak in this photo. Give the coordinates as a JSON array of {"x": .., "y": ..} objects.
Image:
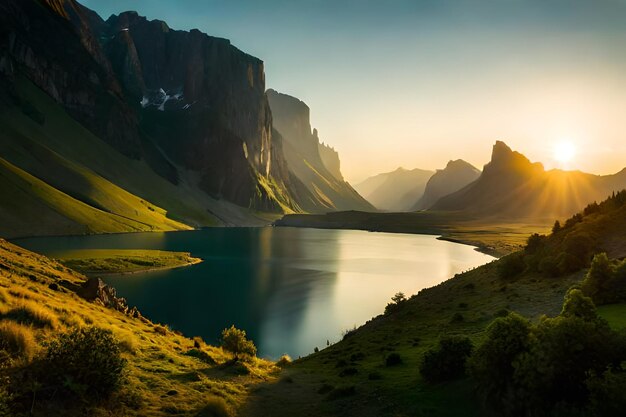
[{"x": 503, "y": 157}]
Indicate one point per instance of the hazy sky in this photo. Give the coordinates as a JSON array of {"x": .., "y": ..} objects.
[{"x": 415, "y": 83}]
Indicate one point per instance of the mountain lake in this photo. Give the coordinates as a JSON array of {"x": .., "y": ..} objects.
[{"x": 290, "y": 289}]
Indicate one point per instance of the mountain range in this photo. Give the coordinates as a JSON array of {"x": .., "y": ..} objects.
[
  {"x": 129, "y": 125},
  {"x": 513, "y": 187},
  {"x": 397, "y": 190}
]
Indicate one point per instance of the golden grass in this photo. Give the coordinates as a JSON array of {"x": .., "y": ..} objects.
[
  {"x": 30, "y": 313},
  {"x": 159, "y": 361},
  {"x": 17, "y": 339}
]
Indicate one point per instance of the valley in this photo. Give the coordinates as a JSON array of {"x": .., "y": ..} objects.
[{"x": 180, "y": 234}]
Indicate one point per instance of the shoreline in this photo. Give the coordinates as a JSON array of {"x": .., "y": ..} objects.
[{"x": 195, "y": 261}]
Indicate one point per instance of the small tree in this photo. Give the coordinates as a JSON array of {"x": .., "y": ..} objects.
[
  {"x": 398, "y": 299},
  {"x": 577, "y": 305},
  {"x": 557, "y": 227},
  {"x": 235, "y": 341}
]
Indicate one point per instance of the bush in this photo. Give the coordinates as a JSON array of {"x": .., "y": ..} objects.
[
  {"x": 491, "y": 365},
  {"x": 446, "y": 361},
  {"x": 548, "y": 369},
  {"x": 535, "y": 243},
  {"x": 83, "y": 362},
  {"x": 548, "y": 266},
  {"x": 511, "y": 266},
  {"x": 283, "y": 361},
  {"x": 235, "y": 341},
  {"x": 17, "y": 340},
  {"x": 216, "y": 407},
  {"x": 602, "y": 282},
  {"x": 393, "y": 359},
  {"x": 457, "y": 318}
]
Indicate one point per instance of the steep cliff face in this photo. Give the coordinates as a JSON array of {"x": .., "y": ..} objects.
[
  {"x": 318, "y": 188},
  {"x": 330, "y": 158},
  {"x": 456, "y": 175},
  {"x": 50, "y": 42},
  {"x": 192, "y": 106},
  {"x": 203, "y": 102}
]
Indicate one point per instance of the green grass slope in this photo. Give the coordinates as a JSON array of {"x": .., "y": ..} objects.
[
  {"x": 352, "y": 377},
  {"x": 165, "y": 374},
  {"x": 32, "y": 207}
]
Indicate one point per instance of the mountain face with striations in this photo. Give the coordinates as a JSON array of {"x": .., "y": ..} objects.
[
  {"x": 510, "y": 186},
  {"x": 128, "y": 125},
  {"x": 395, "y": 191},
  {"x": 456, "y": 175},
  {"x": 314, "y": 167}
]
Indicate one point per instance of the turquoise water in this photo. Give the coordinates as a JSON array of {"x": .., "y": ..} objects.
[{"x": 290, "y": 289}]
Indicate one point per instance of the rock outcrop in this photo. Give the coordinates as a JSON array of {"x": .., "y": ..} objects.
[{"x": 96, "y": 291}]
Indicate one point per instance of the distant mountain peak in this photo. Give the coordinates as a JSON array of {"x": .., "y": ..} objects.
[{"x": 503, "y": 158}]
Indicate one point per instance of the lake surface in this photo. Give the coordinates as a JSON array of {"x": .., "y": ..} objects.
[{"x": 291, "y": 289}]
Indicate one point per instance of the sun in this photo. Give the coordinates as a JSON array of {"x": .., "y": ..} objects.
[{"x": 564, "y": 152}]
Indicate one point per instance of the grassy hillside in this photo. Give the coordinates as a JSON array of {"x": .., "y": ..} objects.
[
  {"x": 122, "y": 261},
  {"x": 166, "y": 373},
  {"x": 357, "y": 375},
  {"x": 34, "y": 207}
]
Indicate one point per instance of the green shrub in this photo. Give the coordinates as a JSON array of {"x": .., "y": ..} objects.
[
  {"x": 535, "y": 243},
  {"x": 83, "y": 362},
  {"x": 492, "y": 366},
  {"x": 216, "y": 407},
  {"x": 393, "y": 359},
  {"x": 607, "y": 394},
  {"x": 511, "y": 266},
  {"x": 548, "y": 369},
  {"x": 549, "y": 267},
  {"x": 605, "y": 281},
  {"x": 235, "y": 341},
  {"x": 446, "y": 361},
  {"x": 457, "y": 318}
]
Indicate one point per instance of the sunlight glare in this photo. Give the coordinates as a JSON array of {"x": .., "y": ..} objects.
[{"x": 564, "y": 152}]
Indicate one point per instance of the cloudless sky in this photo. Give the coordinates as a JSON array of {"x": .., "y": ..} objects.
[{"x": 415, "y": 83}]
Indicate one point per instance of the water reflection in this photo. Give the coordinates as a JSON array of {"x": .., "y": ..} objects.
[{"x": 290, "y": 289}]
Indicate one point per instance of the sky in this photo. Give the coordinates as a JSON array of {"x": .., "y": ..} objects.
[{"x": 415, "y": 83}]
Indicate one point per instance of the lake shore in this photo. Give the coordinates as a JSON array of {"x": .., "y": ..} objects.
[
  {"x": 494, "y": 237},
  {"x": 104, "y": 262}
]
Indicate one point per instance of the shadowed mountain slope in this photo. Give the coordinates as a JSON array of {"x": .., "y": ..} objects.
[{"x": 456, "y": 175}]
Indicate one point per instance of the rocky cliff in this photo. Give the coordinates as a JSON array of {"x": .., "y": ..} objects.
[
  {"x": 330, "y": 158},
  {"x": 314, "y": 168},
  {"x": 191, "y": 106}
]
